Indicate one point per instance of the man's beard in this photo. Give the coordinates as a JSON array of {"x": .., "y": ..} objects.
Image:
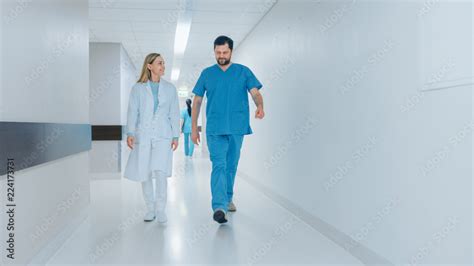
[{"x": 223, "y": 61}]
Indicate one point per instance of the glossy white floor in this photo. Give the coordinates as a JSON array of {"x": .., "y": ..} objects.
[{"x": 260, "y": 232}]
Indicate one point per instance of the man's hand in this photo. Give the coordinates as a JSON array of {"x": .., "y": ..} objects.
[
  {"x": 259, "y": 114},
  {"x": 130, "y": 142},
  {"x": 174, "y": 144},
  {"x": 195, "y": 137}
]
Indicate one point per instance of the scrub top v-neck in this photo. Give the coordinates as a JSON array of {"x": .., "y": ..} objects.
[
  {"x": 154, "y": 90},
  {"x": 227, "y": 98}
]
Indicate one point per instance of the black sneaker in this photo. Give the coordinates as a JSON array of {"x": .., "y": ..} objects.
[{"x": 220, "y": 216}]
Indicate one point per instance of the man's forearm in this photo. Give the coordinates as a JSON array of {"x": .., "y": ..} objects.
[
  {"x": 258, "y": 99},
  {"x": 195, "y": 111}
]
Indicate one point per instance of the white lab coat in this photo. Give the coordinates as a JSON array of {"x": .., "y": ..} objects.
[{"x": 153, "y": 132}]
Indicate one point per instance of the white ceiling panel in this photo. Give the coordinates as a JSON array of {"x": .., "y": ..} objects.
[
  {"x": 128, "y": 14},
  {"x": 161, "y": 4},
  {"x": 233, "y": 5},
  {"x": 166, "y": 26},
  {"x": 110, "y": 25},
  {"x": 230, "y": 18},
  {"x": 145, "y": 26}
]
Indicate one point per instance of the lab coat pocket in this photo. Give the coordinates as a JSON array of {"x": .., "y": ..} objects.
[
  {"x": 161, "y": 155},
  {"x": 138, "y": 163}
]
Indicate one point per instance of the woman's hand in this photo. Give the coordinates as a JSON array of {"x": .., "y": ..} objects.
[
  {"x": 174, "y": 145},
  {"x": 130, "y": 142}
]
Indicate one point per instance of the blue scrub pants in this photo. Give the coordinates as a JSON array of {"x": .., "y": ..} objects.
[
  {"x": 224, "y": 151},
  {"x": 188, "y": 145}
]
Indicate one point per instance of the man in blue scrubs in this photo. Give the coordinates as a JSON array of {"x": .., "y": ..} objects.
[{"x": 226, "y": 85}]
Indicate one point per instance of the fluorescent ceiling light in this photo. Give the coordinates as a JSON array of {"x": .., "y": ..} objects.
[
  {"x": 175, "y": 74},
  {"x": 183, "y": 27},
  {"x": 182, "y": 36}
]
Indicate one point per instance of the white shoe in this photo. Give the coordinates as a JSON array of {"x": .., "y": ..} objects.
[
  {"x": 149, "y": 216},
  {"x": 231, "y": 207},
  {"x": 161, "y": 217}
]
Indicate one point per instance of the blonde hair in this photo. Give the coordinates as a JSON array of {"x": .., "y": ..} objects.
[{"x": 146, "y": 73}]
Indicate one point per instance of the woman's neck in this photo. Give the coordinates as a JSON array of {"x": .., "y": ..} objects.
[{"x": 155, "y": 78}]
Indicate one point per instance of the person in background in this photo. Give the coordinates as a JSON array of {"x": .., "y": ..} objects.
[
  {"x": 153, "y": 134},
  {"x": 186, "y": 129}
]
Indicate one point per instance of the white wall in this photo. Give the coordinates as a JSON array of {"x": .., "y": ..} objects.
[
  {"x": 112, "y": 76},
  {"x": 128, "y": 78},
  {"x": 105, "y": 83},
  {"x": 44, "y": 78},
  {"x": 1, "y": 65},
  {"x": 44, "y": 62},
  {"x": 351, "y": 137}
]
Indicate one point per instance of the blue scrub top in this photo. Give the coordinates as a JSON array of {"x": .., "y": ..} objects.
[
  {"x": 227, "y": 98},
  {"x": 187, "y": 120},
  {"x": 154, "y": 89}
]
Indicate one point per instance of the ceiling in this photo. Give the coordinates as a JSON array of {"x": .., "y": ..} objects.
[{"x": 145, "y": 26}]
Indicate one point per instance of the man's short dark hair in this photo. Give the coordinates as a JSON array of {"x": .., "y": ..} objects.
[{"x": 222, "y": 40}]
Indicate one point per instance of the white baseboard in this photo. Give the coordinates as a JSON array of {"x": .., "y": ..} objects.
[
  {"x": 447, "y": 84},
  {"x": 48, "y": 251}
]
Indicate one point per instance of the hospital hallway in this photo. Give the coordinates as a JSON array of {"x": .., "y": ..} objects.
[
  {"x": 260, "y": 232},
  {"x": 356, "y": 117}
]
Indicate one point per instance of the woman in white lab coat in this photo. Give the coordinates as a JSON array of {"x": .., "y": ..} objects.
[{"x": 153, "y": 132}]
